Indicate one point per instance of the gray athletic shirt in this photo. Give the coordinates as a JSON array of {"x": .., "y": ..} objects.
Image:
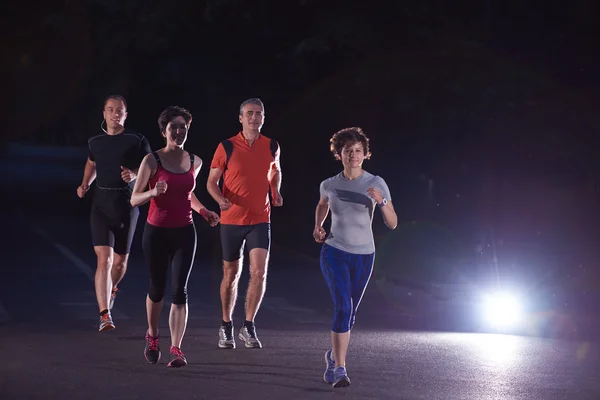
[{"x": 352, "y": 211}]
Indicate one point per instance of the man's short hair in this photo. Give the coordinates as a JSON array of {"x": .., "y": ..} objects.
[{"x": 253, "y": 100}]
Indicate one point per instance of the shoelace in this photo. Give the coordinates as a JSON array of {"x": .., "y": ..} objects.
[
  {"x": 251, "y": 331},
  {"x": 228, "y": 331},
  {"x": 152, "y": 342},
  {"x": 175, "y": 351}
]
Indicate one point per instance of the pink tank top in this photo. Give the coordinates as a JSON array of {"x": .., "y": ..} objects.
[{"x": 172, "y": 209}]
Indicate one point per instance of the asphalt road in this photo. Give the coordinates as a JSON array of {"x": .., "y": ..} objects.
[{"x": 51, "y": 348}]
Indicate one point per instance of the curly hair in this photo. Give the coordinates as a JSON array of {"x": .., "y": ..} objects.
[
  {"x": 349, "y": 137},
  {"x": 170, "y": 113}
]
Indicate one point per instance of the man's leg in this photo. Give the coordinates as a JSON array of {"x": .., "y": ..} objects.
[
  {"x": 232, "y": 244},
  {"x": 118, "y": 269},
  {"x": 258, "y": 282},
  {"x": 229, "y": 287},
  {"x": 123, "y": 239},
  {"x": 259, "y": 244},
  {"x": 102, "y": 280}
]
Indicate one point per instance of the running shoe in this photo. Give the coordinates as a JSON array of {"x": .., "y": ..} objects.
[
  {"x": 226, "y": 340},
  {"x": 340, "y": 378},
  {"x": 328, "y": 376},
  {"x": 152, "y": 349},
  {"x": 113, "y": 296},
  {"x": 106, "y": 323},
  {"x": 177, "y": 358},
  {"x": 248, "y": 336}
]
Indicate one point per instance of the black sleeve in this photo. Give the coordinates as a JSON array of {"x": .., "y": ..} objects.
[
  {"x": 144, "y": 147},
  {"x": 90, "y": 153}
]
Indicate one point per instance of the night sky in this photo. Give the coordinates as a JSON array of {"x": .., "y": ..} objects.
[{"x": 481, "y": 114}]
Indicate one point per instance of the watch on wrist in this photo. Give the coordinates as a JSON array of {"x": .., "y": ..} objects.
[{"x": 383, "y": 202}]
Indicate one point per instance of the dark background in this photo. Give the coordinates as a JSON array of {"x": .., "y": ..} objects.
[{"x": 481, "y": 114}]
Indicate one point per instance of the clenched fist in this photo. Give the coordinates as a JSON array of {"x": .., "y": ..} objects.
[
  {"x": 224, "y": 204},
  {"x": 127, "y": 175},
  {"x": 82, "y": 190},
  {"x": 159, "y": 188},
  {"x": 319, "y": 234}
]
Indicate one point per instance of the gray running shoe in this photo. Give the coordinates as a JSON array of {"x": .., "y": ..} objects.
[
  {"x": 106, "y": 323},
  {"x": 226, "y": 340},
  {"x": 248, "y": 335}
]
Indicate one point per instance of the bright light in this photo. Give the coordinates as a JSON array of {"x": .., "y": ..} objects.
[{"x": 502, "y": 310}]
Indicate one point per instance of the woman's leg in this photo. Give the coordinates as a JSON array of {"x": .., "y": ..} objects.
[
  {"x": 183, "y": 259},
  {"x": 335, "y": 268},
  {"x": 361, "y": 269},
  {"x": 157, "y": 259}
]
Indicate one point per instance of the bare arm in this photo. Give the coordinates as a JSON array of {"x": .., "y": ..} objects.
[
  {"x": 275, "y": 172},
  {"x": 320, "y": 216},
  {"x": 321, "y": 212},
  {"x": 212, "y": 184},
  {"x": 146, "y": 170},
  {"x": 389, "y": 215},
  {"x": 196, "y": 204},
  {"x": 89, "y": 173},
  {"x": 275, "y": 179}
]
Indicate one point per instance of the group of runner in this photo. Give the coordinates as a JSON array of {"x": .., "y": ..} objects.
[{"x": 129, "y": 174}]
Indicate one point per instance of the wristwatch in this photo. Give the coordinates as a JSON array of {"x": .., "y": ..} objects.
[{"x": 383, "y": 203}]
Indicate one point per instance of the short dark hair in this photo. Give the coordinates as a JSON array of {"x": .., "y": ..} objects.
[
  {"x": 115, "y": 97},
  {"x": 254, "y": 100},
  {"x": 170, "y": 113},
  {"x": 348, "y": 137}
]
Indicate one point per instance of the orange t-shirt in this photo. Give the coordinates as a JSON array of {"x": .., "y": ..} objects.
[{"x": 245, "y": 181}]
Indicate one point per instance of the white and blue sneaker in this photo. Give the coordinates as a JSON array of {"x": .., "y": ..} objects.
[
  {"x": 329, "y": 367},
  {"x": 340, "y": 377}
]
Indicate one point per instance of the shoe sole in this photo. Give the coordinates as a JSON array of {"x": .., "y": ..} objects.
[
  {"x": 107, "y": 327},
  {"x": 226, "y": 345},
  {"x": 177, "y": 364},
  {"x": 248, "y": 344},
  {"x": 342, "y": 383}
]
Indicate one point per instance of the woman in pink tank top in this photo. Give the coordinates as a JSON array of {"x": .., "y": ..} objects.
[{"x": 167, "y": 179}]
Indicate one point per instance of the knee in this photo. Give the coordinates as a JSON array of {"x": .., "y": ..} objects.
[
  {"x": 105, "y": 262},
  {"x": 156, "y": 292},
  {"x": 231, "y": 273},
  {"x": 258, "y": 274},
  {"x": 120, "y": 264},
  {"x": 179, "y": 297},
  {"x": 343, "y": 318}
]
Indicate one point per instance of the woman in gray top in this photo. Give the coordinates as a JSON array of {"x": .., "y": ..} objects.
[{"x": 349, "y": 250}]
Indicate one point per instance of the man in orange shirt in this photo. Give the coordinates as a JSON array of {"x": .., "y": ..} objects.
[{"x": 249, "y": 165}]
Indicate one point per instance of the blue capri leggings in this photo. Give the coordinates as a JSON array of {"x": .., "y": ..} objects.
[{"x": 347, "y": 276}]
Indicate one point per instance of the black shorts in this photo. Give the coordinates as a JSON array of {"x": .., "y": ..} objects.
[
  {"x": 114, "y": 231},
  {"x": 234, "y": 237}
]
